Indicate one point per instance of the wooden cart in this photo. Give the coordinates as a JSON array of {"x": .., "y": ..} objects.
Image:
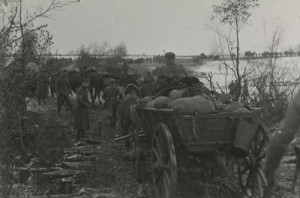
[{"x": 165, "y": 135}]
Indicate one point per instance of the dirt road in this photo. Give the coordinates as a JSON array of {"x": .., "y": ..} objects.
[{"x": 107, "y": 174}]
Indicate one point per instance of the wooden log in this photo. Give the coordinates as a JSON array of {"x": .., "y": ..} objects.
[
  {"x": 87, "y": 150},
  {"x": 63, "y": 173},
  {"x": 91, "y": 141},
  {"x": 289, "y": 159},
  {"x": 67, "y": 179},
  {"x": 125, "y": 137},
  {"x": 80, "y": 158},
  {"x": 102, "y": 195},
  {"x": 36, "y": 169},
  {"x": 61, "y": 196},
  {"x": 96, "y": 195},
  {"x": 93, "y": 190},
  {"x": 77, "y": 165},
  {"x": 76, "y": 148}
]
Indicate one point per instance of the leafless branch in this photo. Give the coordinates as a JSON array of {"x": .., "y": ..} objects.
[
  {"x": 5, "y": 31},
  {"x": 54, "y": 5},
  {"x": 220, "y": 88},
  {"x": 28, "y": 32}
]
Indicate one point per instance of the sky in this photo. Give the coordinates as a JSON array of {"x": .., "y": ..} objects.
[{"x": 156, "y": 26}]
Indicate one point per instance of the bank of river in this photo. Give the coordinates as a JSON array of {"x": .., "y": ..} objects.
[{"x": 290, "y": 65}]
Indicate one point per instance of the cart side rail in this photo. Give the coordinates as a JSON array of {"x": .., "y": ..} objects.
[{"x": 198, "y": 131}]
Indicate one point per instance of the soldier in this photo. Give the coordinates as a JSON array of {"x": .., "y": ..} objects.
[
  {"x": 63, "y": 89},
  {"x": 245, "y": 93},
  {"x": 112, "y": 97},
  {"x": 231, "y": 87},
  {"x": 168, "y": 72},
  {"x": 123, "y": 111},
  {"x": 41, "y": 87},
  {"x": 235, "y": 90},
  {"x": 280, "y": 142},
  {"x": 149, "y": 77},
  {"x": 82, "y": 111},
  {"x": 52, "y": 81},
  {"x": 147, "y": 86}
]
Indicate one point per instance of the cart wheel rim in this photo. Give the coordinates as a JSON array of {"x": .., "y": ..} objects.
[
  {"x": 250, "y": 174},
  {"x": 164, "y": 166}
]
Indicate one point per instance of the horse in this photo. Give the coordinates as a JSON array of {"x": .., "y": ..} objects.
[
  {"x": 75, "y": 79},
  {"x": 95, "y": 84},
  {"x": 124, "y": 121}
]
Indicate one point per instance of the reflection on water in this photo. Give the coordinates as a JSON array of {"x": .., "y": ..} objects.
[{"x": 290, "y": 64}]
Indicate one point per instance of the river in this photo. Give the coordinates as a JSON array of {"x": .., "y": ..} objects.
[{"x": 289, "y": 65}]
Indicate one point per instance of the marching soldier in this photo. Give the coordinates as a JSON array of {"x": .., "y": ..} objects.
[
  {"x": 147, "y": 86},
  {"x": 42, "y": 87},
  {"x": 112, "y": 97},
  {"x": 63, "y": 89},
  {"x": 168, "y": 72},
  {"x": 82, "y": 122}
]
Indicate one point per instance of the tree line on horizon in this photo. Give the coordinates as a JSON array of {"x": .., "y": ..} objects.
[{"x": 248, "y": 54}]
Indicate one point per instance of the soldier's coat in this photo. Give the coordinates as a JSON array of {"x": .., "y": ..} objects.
[
  {"x": 82, "y": 110},
  {"x": 112, "y": 96}
]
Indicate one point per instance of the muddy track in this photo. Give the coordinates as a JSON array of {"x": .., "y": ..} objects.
[{"x": 103, "y": 171}]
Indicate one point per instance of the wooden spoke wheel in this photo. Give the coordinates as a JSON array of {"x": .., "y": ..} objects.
[
  {"x": 250, "y": 174},
  {"x": 163, "y": 160}
]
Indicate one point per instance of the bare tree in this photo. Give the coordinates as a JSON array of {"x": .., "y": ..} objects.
[
  {"x": 120, "y": 49},
  {"x": 234, "y": 14},
  {"x": 14, "y": 22},
  {"x": 273, "y": 83},
  {"x": 16, "y": 29}
]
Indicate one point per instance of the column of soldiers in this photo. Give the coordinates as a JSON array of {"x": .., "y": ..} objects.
[
  {"x": 81, "y": 112},
  {"x": 112, "y": 97},
  {"x": 111, "y": 94},
  {"x": 60, "y": 85}
]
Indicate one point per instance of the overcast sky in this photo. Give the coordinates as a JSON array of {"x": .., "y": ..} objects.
[{"x": 152, "y": 26}]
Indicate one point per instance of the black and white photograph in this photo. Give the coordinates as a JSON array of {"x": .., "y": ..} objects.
[{"x": 150, "y": 98}]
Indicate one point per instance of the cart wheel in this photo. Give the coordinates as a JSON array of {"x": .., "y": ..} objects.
[
  {"x": 251, "y": 177},
  {"x": 163, "y": 160},
  {"x": 137, "y": 156}
]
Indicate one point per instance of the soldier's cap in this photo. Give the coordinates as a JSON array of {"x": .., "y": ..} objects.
[{"x": 170, "y": 55}]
